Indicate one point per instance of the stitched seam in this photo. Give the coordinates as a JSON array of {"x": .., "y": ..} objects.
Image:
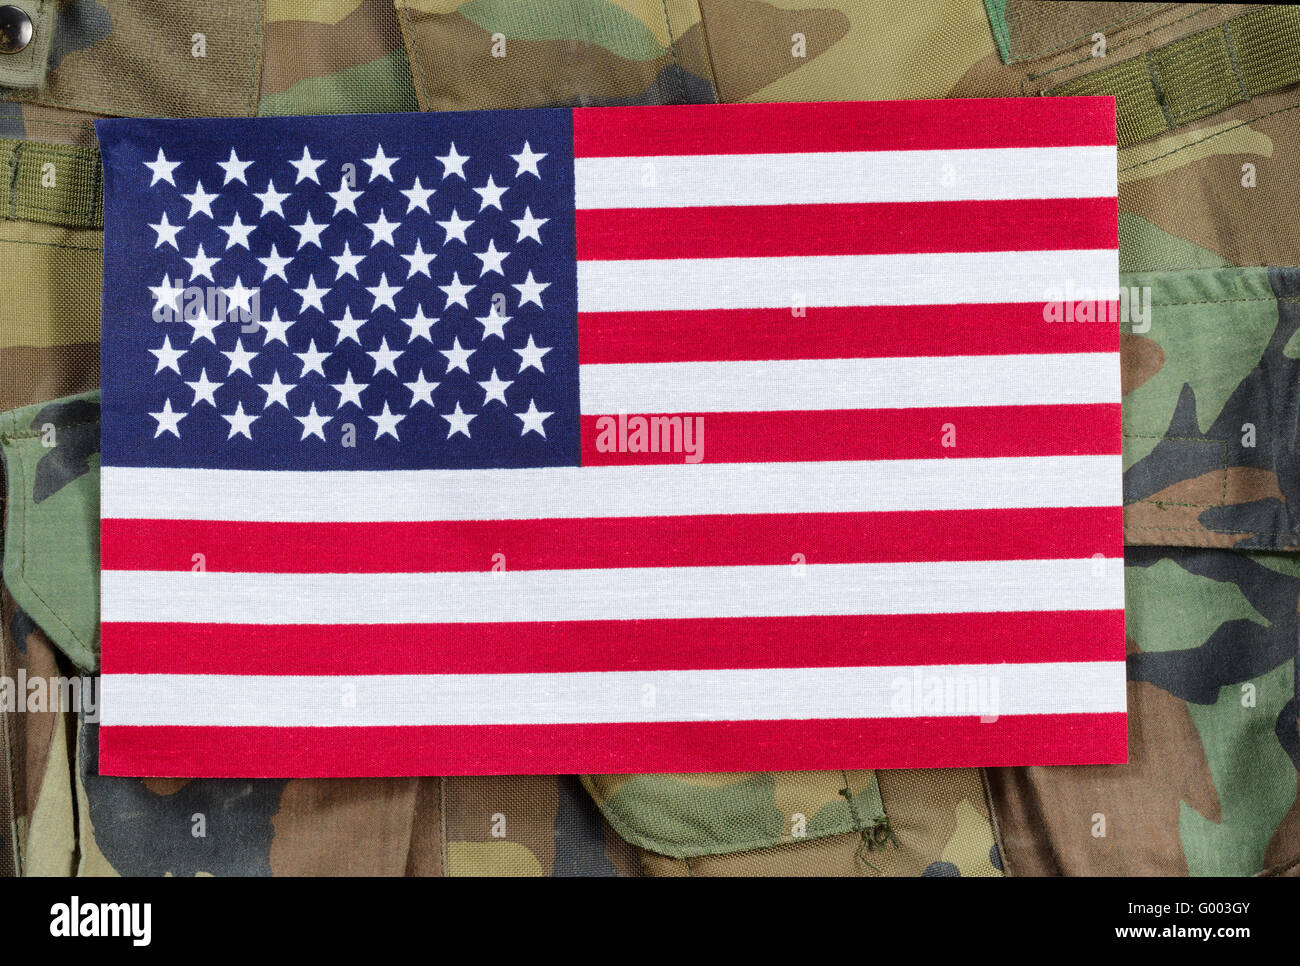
[
  {"x": 708, "y": 52},
  {"x": 13, "y": 180},
  {"x": 442, "y": 827},
  {"x": 417, "y": 62},
  {"x": 75, "y": 248},
  {"x": 1156, "y": 86},
  {"x": 1131, "y": 40},
  {"x": 1280, "y": 110},
  {"x": 10, "y": 770},
  {"x": 672, "y": 52},
  {"x": 1040, "y": 54},
  {"x": 254, "y": 80},
  {"x": 1232, "y": 59}
]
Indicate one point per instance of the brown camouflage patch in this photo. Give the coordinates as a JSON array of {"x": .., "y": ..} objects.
[{"x": 299, "y": 49}]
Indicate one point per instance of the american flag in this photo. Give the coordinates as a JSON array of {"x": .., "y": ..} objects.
[{"x": 736, "y": 437}]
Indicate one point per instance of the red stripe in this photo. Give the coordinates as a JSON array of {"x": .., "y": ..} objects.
[
  {"x": 940, "y": 124},
  {"x": 647, "y": 645},
  {"x": 854, "y": 434},
  {"x": 770, "y": 231},
  {"x": 866, "y": 332},
  {"x": 1064, "y": 739},
  {"x": 566, "y": 544}
]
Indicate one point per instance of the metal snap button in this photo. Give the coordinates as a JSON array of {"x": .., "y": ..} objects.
[{"x": 15, "y": 29}]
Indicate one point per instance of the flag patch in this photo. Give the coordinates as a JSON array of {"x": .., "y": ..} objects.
[{"x": 741, "y": 437}]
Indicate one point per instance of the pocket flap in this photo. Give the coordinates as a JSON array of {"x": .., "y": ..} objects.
[
  {"x": 51, "y": 552},
  {"x": 686, "y": 816}
]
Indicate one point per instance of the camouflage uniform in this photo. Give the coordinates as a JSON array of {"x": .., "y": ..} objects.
[{"x": 1206, "y": 96}]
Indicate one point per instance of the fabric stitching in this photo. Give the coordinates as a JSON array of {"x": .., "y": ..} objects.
[
  {"x": 1257, "y": 117},
  {"x": 417, "y": 61},
  {"x": 1130, "y": 41},
  {"x": 672, "y": 52},
  {"x": 1040, "y": 54},
  {"x": 708, "y": 52}
]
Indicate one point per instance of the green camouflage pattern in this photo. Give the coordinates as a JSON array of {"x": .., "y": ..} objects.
[{"x": 1208, "y": 213}]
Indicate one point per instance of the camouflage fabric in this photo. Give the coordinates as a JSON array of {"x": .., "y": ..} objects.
[{"x": 1208, "y": 230}]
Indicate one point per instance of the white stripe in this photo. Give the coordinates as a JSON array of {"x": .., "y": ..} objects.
[
  {"x": 806, "y": 384},
  {"x": 846, "y": 177},
  {"x": 989, "y": 690},
  {"x": 945, "y": 278},
  {"x": 628, "y": 593},
  {"x": 610, "y": 491}
]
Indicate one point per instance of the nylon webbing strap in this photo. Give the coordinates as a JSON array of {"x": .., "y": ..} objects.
[
  {"x": 1200, "y": 74},
  {"x": 53, "y": 183}
]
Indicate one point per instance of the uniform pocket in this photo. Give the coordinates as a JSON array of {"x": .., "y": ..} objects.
[
  {"x": 1212, "y": 408},
  {"x": 51, "y": 552}
]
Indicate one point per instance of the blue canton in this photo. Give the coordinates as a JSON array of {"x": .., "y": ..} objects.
[{"x": 361, "y": 292}]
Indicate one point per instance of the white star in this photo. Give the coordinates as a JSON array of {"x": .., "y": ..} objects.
[
  {"x": 313, "y": 360},
  {"x": 237, "y": 232},
  {"x": 348, "y": 327},
  {"x": 381, "y": 166},
  {"x": 168, "y": 358},
  {"x": 457, "y": 422},
  {"x": 276, "y": 330},
  {"x": 417, "y": 197},
  {"x": 166, "y": 294},
  {"x": 234, "y": 168},
  {"x": 200, "y": 200},
  {"x": 530, "y": 356},
  {"x": 455, "y": 227},
  {"x": 421, "y": 389},
  {"x": 204, "y": 388},
  {"x": 162, "y": 169},
  {"x": 494, "y": 323},
  {"x": 239, "y": 297},
  {"x": 203, "y": 325},
  {"x": 386, "y": 422},
  {"x": 241, "y": 423},
  {"x": 240, "y": 359},
  {"x": 345, "y": 199},
  {"x": 420, "y": 324},
  {"x": 271, "y": 199},
  {"x": 277, "y": 392},
  {"x": 491, "y": 194},
  {"x": 527, "y": 161},
  {"x": 168, "y": 420},
  {"x": 309, "y": 231},
  {"x": 453, "y": 163},
  {"x": 530, "y": 290},
  {"x": 528, "y": 225},
  {"x": 312, "y": 295},
  {"x": 347, "y": 262},
  {"x": 306, "y": 166},
  {"x": 275, "y": 263},
  {"x": 383, "y": 292},
  {"x": 349, "y": 391},
  {"x": 313, "y": 424},
  {"x": 166, "y": 233},
  {"x": 382, "y": 230},
  {"x": 201, "y": 265},
  {"x": 385, "y": 357},
  {"x": 491, "y": 259},
  {"x": 457, "y": 358},
  {"x": 418, "y": 261},
  {"x": 457, "y": 290},
  {"x": 533, "y": 420},
  {"x": 496, "y": 388}
]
